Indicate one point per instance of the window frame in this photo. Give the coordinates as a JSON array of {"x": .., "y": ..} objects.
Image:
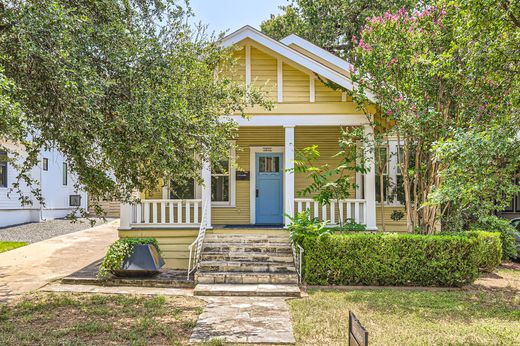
[
  {"x": 392, "y": 171},
  {"x": 5, "y": 171},
  {"x": 65, "y": 174},
  {"x": 45, "y": 164},
  {"x": 231, "y": 172}
]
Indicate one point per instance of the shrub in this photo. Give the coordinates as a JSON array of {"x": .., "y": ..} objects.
[
  {"x": 118, "y": 251},
  {"x": 507, "y": 234},
  {"x": 489, "y": 249},
  {"x": 390, "y": 259},
  {"x": 350, "y": 226},
  {"x": 302, "y": 226}
]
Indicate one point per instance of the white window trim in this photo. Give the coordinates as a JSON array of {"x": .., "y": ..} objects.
[
  {"x": 392, "y": 170},
  {"x": 232, "y": 181}
]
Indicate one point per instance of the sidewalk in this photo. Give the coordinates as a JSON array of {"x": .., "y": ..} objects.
[{"x": 33, "y": 266}]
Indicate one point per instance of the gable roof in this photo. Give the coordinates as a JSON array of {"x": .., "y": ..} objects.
[
  {"x": 284, "y": 50},
  {"x": 287, "y": 52},
  {"x": 316, "y": 50}
]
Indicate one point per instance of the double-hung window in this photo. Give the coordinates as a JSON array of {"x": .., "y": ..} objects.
[
  {"x": 3, "y": 169},
  {"x": 223, "y": 181}
]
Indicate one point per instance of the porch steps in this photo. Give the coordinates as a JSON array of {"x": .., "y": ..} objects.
[{"x": 247, "y": 265}]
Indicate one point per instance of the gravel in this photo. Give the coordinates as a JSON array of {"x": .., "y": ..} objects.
[{"x": 38, "y": 231}]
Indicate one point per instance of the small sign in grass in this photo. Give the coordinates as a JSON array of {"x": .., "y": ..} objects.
[{"x": 9, "y": 245}]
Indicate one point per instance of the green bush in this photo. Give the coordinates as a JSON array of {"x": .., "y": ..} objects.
[
  {"x": 390, "y": 259},
  {"x": 507, "y": 234},
  {"x": 118, "y": 251},
  {"x": 303, "y": 225},
  {"x": 489, "y": 249}
]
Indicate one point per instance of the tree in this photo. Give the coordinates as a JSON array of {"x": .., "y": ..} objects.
[
  {"x": 329, "y": 24},
  {"x": 126, "y": 90},
  {"x": 437, "y": 72}
]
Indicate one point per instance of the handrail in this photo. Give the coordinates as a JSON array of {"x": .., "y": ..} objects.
[
  {"x": 195, "y": 248},
  {"x": 298, "y": 260}
]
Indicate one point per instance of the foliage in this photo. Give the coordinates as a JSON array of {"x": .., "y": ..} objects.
[
  {"x": 390, "y": 259},
  {"x": 477, "y": 181},
  {"x": 126, "y": 90},
  {"x": 507, "y": 234},
  {"x": 302, "y": 225},
  {"x": 119, "y": 251},
  {"x": 441, "y": 70},
  {"x": 489, "y": 249},
  {"x": 350, "y": 226},
  {"x": 331, "y": 183},
  {"x": 397, "y": 215},
  {"x": 328, "y": 23}
]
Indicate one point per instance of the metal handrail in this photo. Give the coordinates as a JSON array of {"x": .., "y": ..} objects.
[{"x": 195, "y": 248}]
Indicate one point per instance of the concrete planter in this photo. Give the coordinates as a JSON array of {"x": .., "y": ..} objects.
[{"x": 145, "y": 261}]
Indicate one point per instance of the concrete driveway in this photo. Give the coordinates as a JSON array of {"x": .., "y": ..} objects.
[{"x": 33, "y": 266}]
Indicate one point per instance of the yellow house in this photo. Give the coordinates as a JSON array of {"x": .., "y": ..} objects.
[{"x": 257, "y": 191}]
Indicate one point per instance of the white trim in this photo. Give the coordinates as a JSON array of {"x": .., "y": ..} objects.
[
  {"x": 279, "y": 74},
  {"x": 232, "y": 182},
  {"x": 316, "y": 50},
  {"x": 300, "y": 120},
  {"x": 252, "y": 174},
  {"x": 289, "y": 53},
  {"x": 289, "y": 176},
  {"x": 248, "y": 65},
  {"x": 312, "y": 89}
]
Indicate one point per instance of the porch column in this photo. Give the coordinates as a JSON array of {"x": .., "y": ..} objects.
[
  {"x": 370, "y": 180},
  {"x": 206, "y": 191},
  {"x": 125, "y": 216},
  {"x": 289, "y": 176}
]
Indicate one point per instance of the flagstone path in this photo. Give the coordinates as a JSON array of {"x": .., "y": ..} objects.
[{"x": 256, "y": 320}]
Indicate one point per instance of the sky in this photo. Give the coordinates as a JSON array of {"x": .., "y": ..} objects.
[{"x": 222, "y": 15}]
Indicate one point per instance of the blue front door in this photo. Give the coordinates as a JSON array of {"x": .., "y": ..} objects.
[{"x": 269, "y": 188}]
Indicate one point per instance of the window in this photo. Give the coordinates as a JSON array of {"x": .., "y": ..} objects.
[
  {"x": 75, "y": 200},
  {"x": 269, "y": 164},
  {"x": 65, "y": 174},
  {"x": 220, "y": 182},
  {"x": 182, "y": 189},
  {"x": 45, "y": 164},
  {"x": 3, "y": 169}
]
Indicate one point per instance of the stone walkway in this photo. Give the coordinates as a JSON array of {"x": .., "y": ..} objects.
[
  {"x": 96, "y": 289},
  {"x": 244, "y": 320},
  {"x": 33, "y": 266}
]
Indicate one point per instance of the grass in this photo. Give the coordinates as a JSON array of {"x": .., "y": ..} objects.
[
  {"x": 9, "y": 245},
  {"x": 399, "y": 317},
  {"x": 80, "y": 319}
]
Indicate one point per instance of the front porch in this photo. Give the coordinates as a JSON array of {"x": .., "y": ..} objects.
[{"x": 262, "y": 190}]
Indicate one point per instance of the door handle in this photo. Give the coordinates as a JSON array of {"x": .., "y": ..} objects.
[{"x": 256, "y": 192}]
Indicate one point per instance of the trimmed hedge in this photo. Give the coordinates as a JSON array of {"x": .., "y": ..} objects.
[
  {"x": 390, "y": 259},
  {"x": 489, "y": 249}
]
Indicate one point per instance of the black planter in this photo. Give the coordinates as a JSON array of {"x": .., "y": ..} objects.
[{"x": 145, "y": 261}]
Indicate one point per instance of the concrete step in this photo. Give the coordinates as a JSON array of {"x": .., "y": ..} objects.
[
  {"x": 247, "y": 240},
  {"x": 245, "y": 278},
  {"x": 255, "y": 248},
  {"x": 248, "y": 256},
  {"x": 246, "y": 266},
  {"x": 248, "y": 290}
]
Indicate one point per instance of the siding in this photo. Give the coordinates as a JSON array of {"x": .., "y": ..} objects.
[
  {"x": 391, "y": 225},
  {"x": 325, "y": 94},
  {"x": 247, "y": 137},
  {"x": 295, "y": 85},
  {"x": 264, "y": 72}
]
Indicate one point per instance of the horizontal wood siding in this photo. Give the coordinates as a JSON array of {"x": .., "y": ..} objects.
[
  {"x": 391, "y": 225},
  {"x": 326, "y": 138},
  {"x": 325, "y": 93},
  {"x": 264, "y": 73},
  {"x": 247, "y": 137},
  {"x": 296, "y": 85}
]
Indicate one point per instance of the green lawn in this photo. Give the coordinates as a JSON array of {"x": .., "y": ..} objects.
[
  {"x": 9, "y": 245},
  {"x": 81, "y": 319},
  {"x": 478, "y": 316}
]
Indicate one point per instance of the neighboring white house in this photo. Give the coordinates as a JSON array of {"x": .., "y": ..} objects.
[{"x": 56, "y": 183}]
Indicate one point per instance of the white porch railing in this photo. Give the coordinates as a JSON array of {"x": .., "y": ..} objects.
[
  {"x": 195, "y": 248},
  {"x": 167, "y": 212},
  {"x": 345, "y": 209}
]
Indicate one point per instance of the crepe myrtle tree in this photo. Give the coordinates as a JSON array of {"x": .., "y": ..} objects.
[
  {"x": 438, "y": 72},
  {"x": 128, "y": 91}
]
